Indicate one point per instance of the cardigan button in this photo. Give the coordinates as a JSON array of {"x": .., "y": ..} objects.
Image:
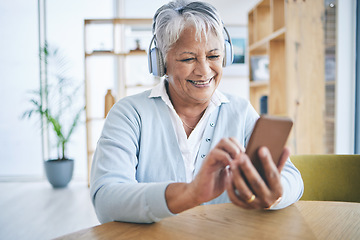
[
  {"x": 208, "y": 140},
  {"x": 212, "y": 124},
  {"x": 203, "y": 155}
]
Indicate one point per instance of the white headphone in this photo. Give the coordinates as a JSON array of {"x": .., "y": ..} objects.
[{"x": 157, "y": 64}]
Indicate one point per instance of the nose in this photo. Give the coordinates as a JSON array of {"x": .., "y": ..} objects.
[{"x": 202, "y": 67}]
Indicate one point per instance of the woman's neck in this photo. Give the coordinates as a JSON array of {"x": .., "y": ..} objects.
[{"x": 189, "y": 113}]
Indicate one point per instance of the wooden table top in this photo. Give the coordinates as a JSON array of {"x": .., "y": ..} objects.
[{"x": 302, "y": 220}]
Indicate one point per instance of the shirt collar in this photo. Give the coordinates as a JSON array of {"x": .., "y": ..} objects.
[{"x": 160, "y": 91}]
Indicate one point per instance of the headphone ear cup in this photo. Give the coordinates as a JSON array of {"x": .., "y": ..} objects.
[
  {"x": 229, "y": 54},
  {"x": 160, "y": 63},
  {"x": 156, "y": 62}
]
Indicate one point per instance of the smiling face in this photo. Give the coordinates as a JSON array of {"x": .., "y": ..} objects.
[{"x": 194, "y": 68}]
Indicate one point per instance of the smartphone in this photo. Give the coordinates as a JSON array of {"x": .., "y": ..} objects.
[{"x": 272, "y": 132}]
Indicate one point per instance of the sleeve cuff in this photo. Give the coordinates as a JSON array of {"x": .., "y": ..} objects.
[{"x": 156, "y": 202}]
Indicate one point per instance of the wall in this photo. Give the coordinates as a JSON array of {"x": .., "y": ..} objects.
[{"x": 19, "y": 139}]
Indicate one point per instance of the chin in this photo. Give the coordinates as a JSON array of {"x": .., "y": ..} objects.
[{"x": 204, "y": 97}]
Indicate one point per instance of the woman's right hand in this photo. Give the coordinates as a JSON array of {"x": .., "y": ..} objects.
[{"x": 211, "y": 180}]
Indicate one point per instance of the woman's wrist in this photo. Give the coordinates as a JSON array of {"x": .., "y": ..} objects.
[{"x": 180, "y": 197}]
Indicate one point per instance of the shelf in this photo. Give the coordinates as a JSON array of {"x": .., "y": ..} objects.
[
  {"x": 330, "y": 46},
  {"x": 106, "y": 53},
  {"x": 99, "y": 53},
  {"x": 262, "y": 45},
  {"x": 140, "y": 85},
  {"x": 330, "y": 83},
  {"x": 94, "y": 119},
  {"x": 330, "y": 119},
  {"x": 90, "y": 152},
  {"x": 127, "y": 21},
  {"x": 255, "y": 84}
]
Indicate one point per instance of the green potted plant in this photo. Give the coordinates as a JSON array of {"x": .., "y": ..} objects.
[{"x": 58, "y": 113}]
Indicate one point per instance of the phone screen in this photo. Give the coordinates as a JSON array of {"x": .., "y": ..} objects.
[{"x": 271, "y": 132}]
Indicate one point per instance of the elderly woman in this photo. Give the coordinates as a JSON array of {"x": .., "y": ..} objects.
[{"x": 181, "y": 144}]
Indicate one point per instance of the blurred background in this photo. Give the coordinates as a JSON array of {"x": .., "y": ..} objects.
[{"x": 105, "y": 59}]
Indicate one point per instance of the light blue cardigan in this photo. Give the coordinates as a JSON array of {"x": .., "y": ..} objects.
[{"x": 137, "y": 156}]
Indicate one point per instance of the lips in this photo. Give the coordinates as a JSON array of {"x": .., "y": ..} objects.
[{"x": 201, "y": 83}]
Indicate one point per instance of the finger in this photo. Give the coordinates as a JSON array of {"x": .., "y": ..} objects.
[
  {"x": 284, "y": 157},
  {"x": 255, "y": 181},
  {"x": 229, "y": 146},
  {"x": 238, "y": 144},
  {"x": 242, "y": 184},
  {"x": 217, "y": 156},
  {"x": 239, "y": 183},
  {"x": 235, "y": 199},
  {"x": 234, "y": 195},
  {"x": 271, "y": 172}
]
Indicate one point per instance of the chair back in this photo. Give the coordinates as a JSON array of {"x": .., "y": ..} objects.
[{"x": 329, "y": 177}]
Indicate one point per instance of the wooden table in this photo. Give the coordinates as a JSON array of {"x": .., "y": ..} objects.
[{"x": 303, "y": 220}]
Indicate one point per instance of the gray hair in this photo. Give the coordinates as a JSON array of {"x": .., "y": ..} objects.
[{"x": 172, "y": 18}]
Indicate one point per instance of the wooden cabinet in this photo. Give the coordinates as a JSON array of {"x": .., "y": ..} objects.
[
  {"x": 115, "y": 60},
  {"x": 290, "y": 35}
]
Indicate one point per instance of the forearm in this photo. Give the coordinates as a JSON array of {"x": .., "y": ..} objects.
[{"x": 130, "y": 202}]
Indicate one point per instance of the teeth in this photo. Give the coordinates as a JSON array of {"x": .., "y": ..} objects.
[{"x": 200, "y": 82}]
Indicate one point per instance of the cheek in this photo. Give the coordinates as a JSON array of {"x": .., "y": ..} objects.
[
  {"x": 180, "y": 71},
  {"x": 218, "y": 68}
]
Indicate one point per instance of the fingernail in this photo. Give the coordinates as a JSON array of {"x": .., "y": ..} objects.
[{"x": 264, "y": 152}]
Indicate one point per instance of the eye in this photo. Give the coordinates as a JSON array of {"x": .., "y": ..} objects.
[
  {"x": 214, "y": 57},
  {"x": 187, "y": 59}
]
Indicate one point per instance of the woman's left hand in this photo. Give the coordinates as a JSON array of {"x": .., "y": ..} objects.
[{"x": 247, "y": 188}]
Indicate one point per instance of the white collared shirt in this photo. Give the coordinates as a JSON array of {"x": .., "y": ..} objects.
[{"x": 189, "y": 147}]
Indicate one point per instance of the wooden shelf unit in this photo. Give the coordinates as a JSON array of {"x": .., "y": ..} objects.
[
  {"x": 291, "y": 34},
  {"x": 107, "y": 67}
]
